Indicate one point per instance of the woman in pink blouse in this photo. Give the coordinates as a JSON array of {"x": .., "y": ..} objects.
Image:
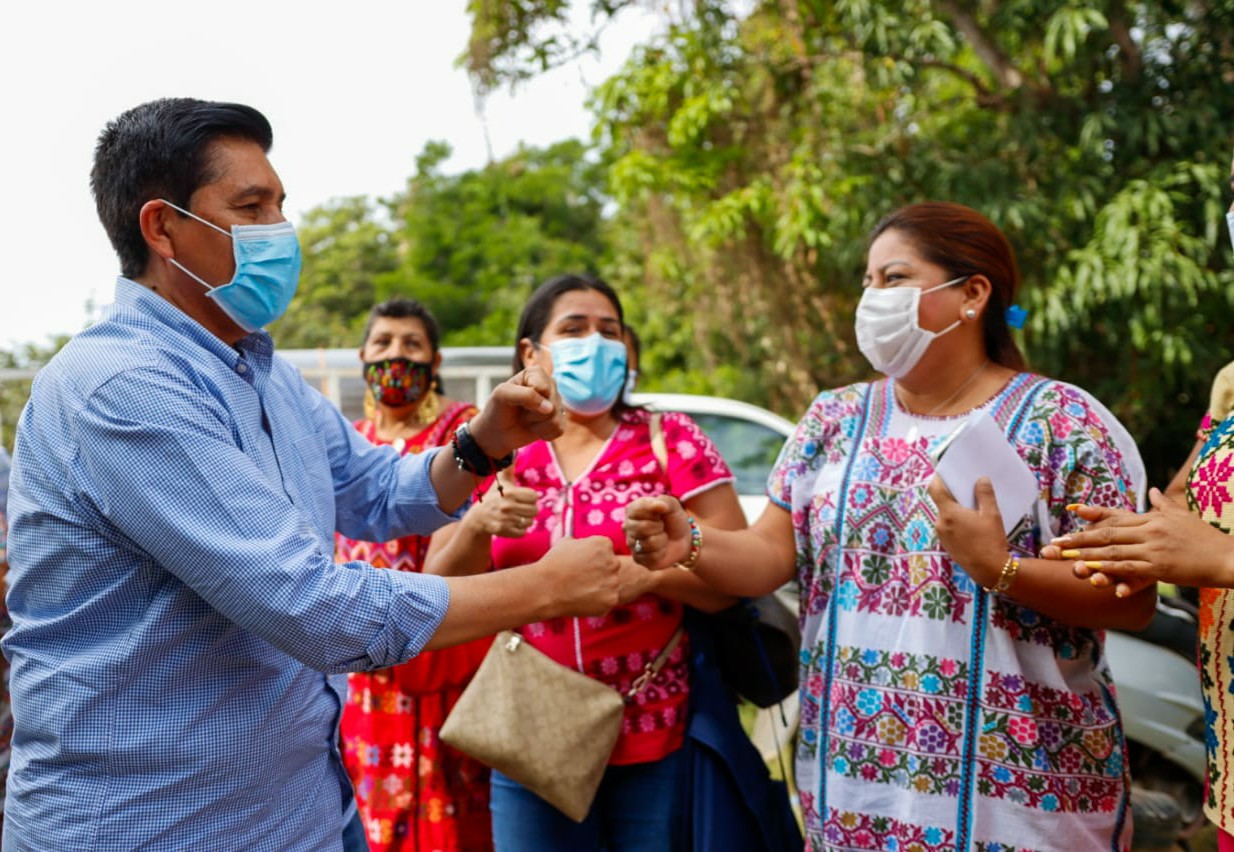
[{"x": 576, "y": 486}]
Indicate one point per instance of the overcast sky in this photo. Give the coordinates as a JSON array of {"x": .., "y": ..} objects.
[{"x": 353, "y": 91}]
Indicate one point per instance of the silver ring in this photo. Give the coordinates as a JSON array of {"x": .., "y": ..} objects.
[{"x": 638, "y": 545}]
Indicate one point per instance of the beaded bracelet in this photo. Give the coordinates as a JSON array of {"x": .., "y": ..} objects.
[
  {"x": 696, "y": 546},
  {"x": 1006, "y": 576}
]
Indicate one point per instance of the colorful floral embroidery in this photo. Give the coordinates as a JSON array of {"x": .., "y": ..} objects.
[
  {"x": 1210, "y": 484},
  {"x": 887, "y": 709},
  {"x": 852, "y": 830},
  {"x": 1209, "y": 495}
]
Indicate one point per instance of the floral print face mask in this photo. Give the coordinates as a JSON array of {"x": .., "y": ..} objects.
[{"x": 398, "y": 381}]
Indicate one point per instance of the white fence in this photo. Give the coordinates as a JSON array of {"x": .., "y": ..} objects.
[{"x": 468, "y": 373}]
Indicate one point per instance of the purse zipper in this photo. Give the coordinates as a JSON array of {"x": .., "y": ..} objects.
[{"x": 567, "y": 531}]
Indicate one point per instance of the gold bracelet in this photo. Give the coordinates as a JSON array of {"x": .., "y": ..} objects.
[
  {"x": 1006, "y": 576},
  {"x": 696, "y": 546}
]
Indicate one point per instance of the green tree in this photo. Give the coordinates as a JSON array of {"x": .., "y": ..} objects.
[
  {"x": 25, "y": 359},
  {"x": 473, "y": 246},
  {"x": 347, "y": 247},
  {"x": 755, "y": 144}
]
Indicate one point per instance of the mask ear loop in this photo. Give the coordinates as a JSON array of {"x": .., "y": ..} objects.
[
  {"x": 953, "y": 282},
  {"x": 209, "y": 287},
  {"x": 178, "y": 265},
  {"x": 970, "y": 313},
  {"x": 205, "y": 222}
]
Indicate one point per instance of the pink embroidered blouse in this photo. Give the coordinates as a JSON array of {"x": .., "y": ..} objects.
[{"x": 615, "y": 648}]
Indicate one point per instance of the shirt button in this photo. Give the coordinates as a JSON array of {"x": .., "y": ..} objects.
[{"x": 240, "y": 368}]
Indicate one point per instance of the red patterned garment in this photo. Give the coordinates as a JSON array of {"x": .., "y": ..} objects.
[
  {"x": 615, "y": 648},
  {"x": 415, "y": 793}
]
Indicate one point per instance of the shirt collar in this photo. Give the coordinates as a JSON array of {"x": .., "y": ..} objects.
[{"x": 258, "y": 346}]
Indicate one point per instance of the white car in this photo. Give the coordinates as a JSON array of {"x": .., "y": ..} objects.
[{"x": 748, "y": 437}]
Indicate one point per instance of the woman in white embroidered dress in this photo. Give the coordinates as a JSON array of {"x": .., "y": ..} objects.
[{"x": 954, "y": 688}]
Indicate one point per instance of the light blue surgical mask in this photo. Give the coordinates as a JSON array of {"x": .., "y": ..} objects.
[
  {"x": 590, "y": 372},
  {"x": 1229, "y": 223},
  {"x": 267, "y": 272}
]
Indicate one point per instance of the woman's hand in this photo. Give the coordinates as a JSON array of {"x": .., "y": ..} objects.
[
  {"x": 1134, "y": 551},
  {"x": 973, "y": 537},
  {"x": 508, "y": 516},
  {"x": 658, "y": 531}
]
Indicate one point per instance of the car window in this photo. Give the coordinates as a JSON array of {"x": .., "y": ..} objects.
[{"x": 749, "y": 448}]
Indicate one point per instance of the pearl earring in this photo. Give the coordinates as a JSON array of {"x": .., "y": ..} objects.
[{"x": 971, "y": 313}]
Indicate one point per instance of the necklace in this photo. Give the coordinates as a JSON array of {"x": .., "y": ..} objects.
[{"x": 911, "y": 437}]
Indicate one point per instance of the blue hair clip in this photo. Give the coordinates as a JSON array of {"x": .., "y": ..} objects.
[{"x": 1015, "y": 316}]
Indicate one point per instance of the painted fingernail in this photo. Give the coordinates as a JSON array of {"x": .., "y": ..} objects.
[
  {"x": 1071, "y": 507},
  {"x": 1122, "y": 592},
  {"x": 1071, "y": 554},
  {"x": 1096, "y": 565}
]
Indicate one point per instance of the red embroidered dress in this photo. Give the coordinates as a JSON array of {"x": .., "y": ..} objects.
[
  {"x": 415, "y": 794},
  {"x": 615, "y": 648}
]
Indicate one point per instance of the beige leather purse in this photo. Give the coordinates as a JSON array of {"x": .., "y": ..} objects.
[{"x": 548, "y": 727}]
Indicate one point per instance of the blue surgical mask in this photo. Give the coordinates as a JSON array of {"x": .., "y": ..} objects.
[
  {"x": 590, "y": 372},
  {"x": 1229, "y": 223},
  {"x": 267, "y": 272}
]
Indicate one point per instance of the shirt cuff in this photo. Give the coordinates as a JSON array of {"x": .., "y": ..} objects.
[{"x": 418, "y": 605}]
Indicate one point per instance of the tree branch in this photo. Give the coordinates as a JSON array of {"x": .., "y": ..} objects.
[
  {"x": 1004, "y": 70},
  {"x": 1128, "y": 51}
]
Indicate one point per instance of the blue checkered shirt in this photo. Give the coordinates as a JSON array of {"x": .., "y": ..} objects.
[{"x": 177, "y": 612}]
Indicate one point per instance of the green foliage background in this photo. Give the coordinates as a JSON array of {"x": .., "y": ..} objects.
[
  {"x": 754, "y": 144},
  {"x": 741, "y": 156},
  {"x": 14, "y": 393},
  {"x": 472, "y": 246}
]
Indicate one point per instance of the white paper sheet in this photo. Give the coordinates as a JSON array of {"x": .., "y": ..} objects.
[{"x": 979, "y": 448}]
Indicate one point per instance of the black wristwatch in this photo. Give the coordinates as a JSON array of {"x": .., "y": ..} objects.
[{"x": 469, "y": 457}]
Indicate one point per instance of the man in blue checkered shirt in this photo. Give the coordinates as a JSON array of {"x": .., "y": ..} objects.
[{"x": 180, "y": 629}]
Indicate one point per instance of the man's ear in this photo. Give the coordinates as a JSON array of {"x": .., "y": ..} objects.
[{"x": 153, "y": 220}]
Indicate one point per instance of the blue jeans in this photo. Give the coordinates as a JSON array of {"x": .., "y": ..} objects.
[
  {"x": 636, "y": 810},
  {"x": 353, "y": 835}
]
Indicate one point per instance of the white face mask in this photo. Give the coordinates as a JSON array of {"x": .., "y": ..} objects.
[
  {"x": 1229, "y": 223},
  {"x": 888, "y": 331}
]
